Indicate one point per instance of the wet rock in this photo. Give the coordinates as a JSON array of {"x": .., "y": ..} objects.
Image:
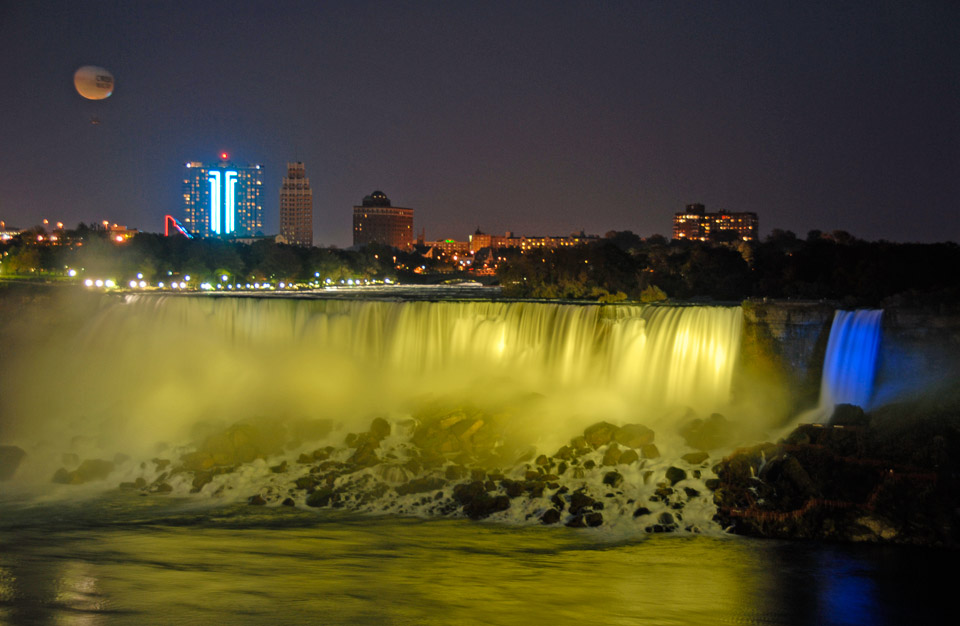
[
  {"x": 580, "y": 501},
  {"x": 589, "y": 464},
  {"x": 321, "y": 497},
  {"x": 307, "y": 482},
  {"x": 576, "y": 521},
  {"x": 421, "y": 485},
  {"x": 558, "y": 501},
  {"x": 600, "y": 434},
  {"x": 240, "y": 443},
  {"x": 593, "y": 519},
  {"x": 848, "y": 415},
  {"x": 612, "y": 456},
  {"x": 513, "y": 488},
  {"x": 613, "y": 479},
  {"x": 695, "y": 458},
  {"x": 455, "y": 472},
  {"x": 650, "y": 451},
  {"x": 467, "y": 492},
  {"x": 564, "y": 453},
  {"x": 641, "y": 511},
  {"x": 162, "y": 487},
  {"x": 288, "y": 502},
  {"x": 709, "y": 434},
  {"x": 140, "y": 483},
  {"x": 10, "y": 459},
  {"x": 256, "y": 500},
  {"x": 629, "y": 457},
  {"x": 666, "y": 519},
  {"x": 550, "y": 516},
  {"x": 365, "y": 455},
  {"x": 579, "y": 445},
  {"x": 578, "y": 472},
  {"x": 712, "y": 483},
  {"x": 542, "y": 460},
  {"x": 89, "y": 470},
  {"x": 675, "y": 475},
  {"x": 486, "y": 505},
  {"x": 634, "y": 435},
  {"x": 380, "y": 428},
  {"x": 691, "y": 492},
  {"x": 562, "y": 468},
  {"x": 279, "y": 469},
  {"x": 304, "y": 459}
]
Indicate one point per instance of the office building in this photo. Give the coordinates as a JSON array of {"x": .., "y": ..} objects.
[
  {"x": 376, "y": 221},
  {"x": 296, "y": 207},
  {"x": 222, "y": 199}
]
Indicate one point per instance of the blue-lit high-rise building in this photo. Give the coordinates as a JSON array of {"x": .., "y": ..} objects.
[{"x": 222, "y": 199}]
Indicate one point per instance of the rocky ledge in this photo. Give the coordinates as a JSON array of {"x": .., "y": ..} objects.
[{"x": 875, "y": 478}]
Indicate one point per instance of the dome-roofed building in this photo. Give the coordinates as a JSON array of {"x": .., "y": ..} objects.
[
  {"x": 377, "y": 221},
  {"x": 377, "y": 198}
]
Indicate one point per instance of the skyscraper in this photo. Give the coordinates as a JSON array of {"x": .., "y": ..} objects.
[
  {"x": 222, "y": 199},
  {"x": 375, "y": 221},
  {"x": 296, "y": 206}
]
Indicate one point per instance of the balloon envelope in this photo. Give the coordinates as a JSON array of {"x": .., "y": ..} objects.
[{"x": 93, "y": 83}]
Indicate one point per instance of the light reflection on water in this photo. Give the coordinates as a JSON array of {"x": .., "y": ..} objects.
[{"x": 129, "y": 560}]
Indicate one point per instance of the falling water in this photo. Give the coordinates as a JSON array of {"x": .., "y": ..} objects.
[
  {"x": 155, "y": 369},
  {"x": 850, "y": 364}
]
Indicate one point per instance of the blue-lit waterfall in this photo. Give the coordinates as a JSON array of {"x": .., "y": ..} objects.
[{"x": 850, "y": 364}]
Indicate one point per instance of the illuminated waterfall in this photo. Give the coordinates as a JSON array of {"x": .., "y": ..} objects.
[
  {"x": 850, "y": 364},
  {"x": 150, "y": 369}
]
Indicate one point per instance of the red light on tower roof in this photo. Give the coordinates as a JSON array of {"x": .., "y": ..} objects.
[{"x": 224, "y": 155}]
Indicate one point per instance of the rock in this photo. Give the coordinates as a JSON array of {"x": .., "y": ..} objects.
[
  {"x": 288, "y": 502},
  {"x": 558, "y": 501},
  {"x": 576, "y": 521},
  {"x": 279, "y": 469},
  {"x": 695, "y": 458},
  {"x": 641, "y": 511},
  {"x": 161, "y": 464},
  {"x": 467, "y": 492},
  {"x": 613, "y": 479},
  {"x": 848, "y": 415},
  {"x": 710, "y": 434},
  {"x": 612, "y": 456},
  {"x": 321, "y": 497},
  {"x": 421, "y": 485},
  {"x": 379, "y": 428},
  {"x": 712, "y": 483},
  {"x": 650, "y": 451},
  {"x": 513, "y": 488},
  {"x": 10, "y": 459},
  {"x": 675, "y": 475},
  {"x": 542, "y": 460},
  {"x": 256, "y": 500},
  {"x": 590, "y": 464},
  {"x": 564, "y": 453},
  {"x": 629, "y": 457},
  {"x": 90, "y": 469},
  {"x": 550, "y": 516},
  {"x": 561, "y": 468},
  {"x": 600, "y": 434},
  {"x": 365, "y": 455},
  {"x": 140, "y": 483},
  {"x": 580, "y": 501},
  {"x": 879, "y": 527},
  {"x": 306, "y": 482},
  {"x": 593, "y": 519},
  {"x": 455, "y": 472},
  {"x": 666, "y": 519},
  {"x": 634, "y": 435},
  {"x": 579, "y": 445},
  {"x": 304, "y": 459},
  {"x": 691, "y": 492},
  {"x": 486, "y": 505}
]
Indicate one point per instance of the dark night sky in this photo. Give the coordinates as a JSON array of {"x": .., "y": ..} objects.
[{"x": 537, "y": 117}]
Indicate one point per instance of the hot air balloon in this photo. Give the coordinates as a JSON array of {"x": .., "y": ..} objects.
[{"x": 93, "y": 83}]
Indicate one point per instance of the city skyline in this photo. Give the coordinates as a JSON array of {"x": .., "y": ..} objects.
[{"x": 541, "y": 118}]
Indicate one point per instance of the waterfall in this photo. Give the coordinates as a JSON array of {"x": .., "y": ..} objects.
[
  {"x": 150, "y": 369},
  {"x": 850, "y": 364}
]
